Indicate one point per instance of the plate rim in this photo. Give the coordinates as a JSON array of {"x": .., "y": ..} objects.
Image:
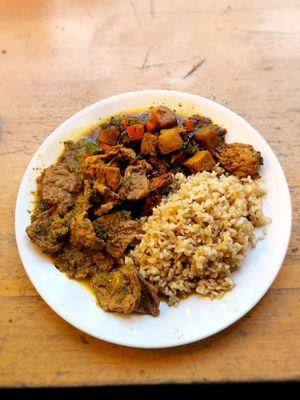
[{"x": 124, "y": 96}]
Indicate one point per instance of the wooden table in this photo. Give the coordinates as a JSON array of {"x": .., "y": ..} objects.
[{"x": 59, "y": 56}]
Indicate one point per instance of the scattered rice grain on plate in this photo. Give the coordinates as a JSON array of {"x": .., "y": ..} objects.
[{"x": 198, "y": 235}]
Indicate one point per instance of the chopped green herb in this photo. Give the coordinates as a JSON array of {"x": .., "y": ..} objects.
[
  {"x": 93, "y": 148},
  {"x": 104, "y": 125},
  {"x": 261, "y": 160}
]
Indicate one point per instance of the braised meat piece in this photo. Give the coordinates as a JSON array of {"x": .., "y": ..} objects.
[
  {"x": 73, "y": 154},
  {"x": 149, "y": 301},
  {"x": 60, "y": 186},
  {"x": 82, "y": 233},
  {"x": 145, "y": 166},
  {"x": 118, "y": 230},
  {"x": 118, "y": 154},
  {"x": 103, "y": 261},
  {"x": 240, "y": 159},
  {"x": 135, "y": 184},
  {"x": 77, "y": 263},
  {"x": 102, "y": 173},
  {"x": 109, "y": 199},
  {"x": 125, "y": 291},
  {"x": 157, "y": 185},
  {"x": 149, "y": 203},
  {"x": 48, "y": 231},
  {"x": 163, "y": 117},
  {"x": 117, "y": 291},
  {"x": 84, "y": 202},
  {"x": 161, "y": 182},
  {"x": 161, "y": 168},
  {"x": 148, "y": 145}
]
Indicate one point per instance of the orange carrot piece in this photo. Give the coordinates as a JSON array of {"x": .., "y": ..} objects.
[
  {"x": 150, "y": 125},
  {"x": 105, "y": 147},
  {"x": 189, "y": 125},
  {"x": 135, "y": 132}
]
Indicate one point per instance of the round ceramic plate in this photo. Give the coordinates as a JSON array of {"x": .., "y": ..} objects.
[{"x": 196, "y": 317}]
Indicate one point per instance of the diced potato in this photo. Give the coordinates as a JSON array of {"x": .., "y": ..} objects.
[
  {"x": 207, "y": 136},
  {"x": 201, "y": 161},
  {"x": 169, "y": 140},
  {"x": 109, "y": 135},
  {"x": 163, "y": 117}
]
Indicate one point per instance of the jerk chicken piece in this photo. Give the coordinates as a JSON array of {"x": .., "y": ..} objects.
[
  {"x": 118, "y": 230},
  {"x": 240, "y": 159},
  {"x": 60, "y": 186},
  {"x": 136, "y": 184},
  {"x": 48, "y": 231},
  {"x": 125, "y": 291}
]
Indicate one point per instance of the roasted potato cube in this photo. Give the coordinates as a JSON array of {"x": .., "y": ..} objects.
[
  {"x": 163, "y": 117},
  {"x": 109, "y": 135},
  {"x": 169, "y": 140},
  {"x": 201, "y": 161},
  {"x": 207, "y": 136}
]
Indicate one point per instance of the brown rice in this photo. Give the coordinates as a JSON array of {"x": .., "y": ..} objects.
[{"x": 199, "y": 234}]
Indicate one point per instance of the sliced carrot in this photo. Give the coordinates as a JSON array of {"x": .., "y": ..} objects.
[
  {"x": 150, "y": 126},
  {"x": 105, "y": 147},
  {"x": 189, "y": 125},
  {"x": 135, "y": 132}
]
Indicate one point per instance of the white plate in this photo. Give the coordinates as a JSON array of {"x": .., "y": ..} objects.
[{"x": 194, "y": 318}]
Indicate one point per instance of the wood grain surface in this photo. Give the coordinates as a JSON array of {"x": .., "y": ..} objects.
[{"x": 57, "y": 57}]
